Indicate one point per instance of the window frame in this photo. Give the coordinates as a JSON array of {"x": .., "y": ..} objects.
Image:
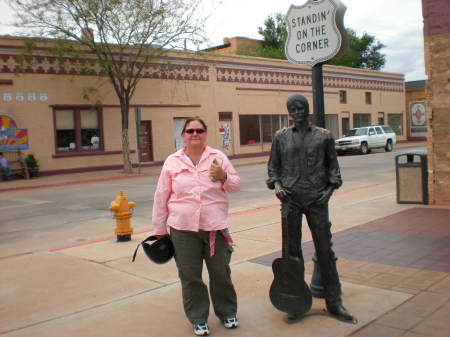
[
  {"x": 357, "y": 117},
  {"x": 77, "y": 127},
  {"x": 343, "y": 96},
  {"x": 402, "y": 128},
  {"x": 260, "y": 127},
  {"x": 368, "y": 96}
]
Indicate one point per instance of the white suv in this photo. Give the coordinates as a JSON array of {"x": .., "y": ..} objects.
[{"x": 366, "y": 138}]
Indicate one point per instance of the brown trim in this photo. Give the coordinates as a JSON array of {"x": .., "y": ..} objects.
[
  {"x": 157, "y": 106},
  {"x": 84, "y": 106},
  {"x": 86, "y": 153},
  {"x": 236, "y": 75},
  {"x": 6, "y": 82},
  {"x": 283, "y": 90},
  {"x": 308, "y": 71},
  {"x": 200, "y": 72},
  {"x": 218, "y": 63},
  {"x": 94, "y": 168}
]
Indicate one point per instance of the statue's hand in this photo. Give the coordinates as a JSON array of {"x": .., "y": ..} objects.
[
  {"x": 281, "y": 192},
  {"x": 325, "y": 196}
]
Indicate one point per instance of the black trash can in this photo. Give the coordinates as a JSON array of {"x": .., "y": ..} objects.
[{"x": 411, "y": 170}]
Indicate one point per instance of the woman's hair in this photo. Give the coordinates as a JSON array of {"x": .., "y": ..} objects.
[{"x": 191, "y": 119}]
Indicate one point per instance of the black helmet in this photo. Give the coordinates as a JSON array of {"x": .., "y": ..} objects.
[{"x": 160, "y": 251}]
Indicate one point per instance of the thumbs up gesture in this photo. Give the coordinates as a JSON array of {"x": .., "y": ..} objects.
[{"x": 216, "y": 171}]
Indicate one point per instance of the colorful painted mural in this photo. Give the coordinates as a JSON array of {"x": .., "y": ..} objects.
[{"x": 12, "y": 138}]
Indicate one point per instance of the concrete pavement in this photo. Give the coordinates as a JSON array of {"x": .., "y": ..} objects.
[{"x": 394, "y": 262}]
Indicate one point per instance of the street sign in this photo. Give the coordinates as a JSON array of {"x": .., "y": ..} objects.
[{"x": 315, "y": 31}]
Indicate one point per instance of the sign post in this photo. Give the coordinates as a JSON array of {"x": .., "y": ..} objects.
[
  {"x": 316, "y": 34},
  {"x": 137, "y": 112},
  {"x": 318, "y": 99}
]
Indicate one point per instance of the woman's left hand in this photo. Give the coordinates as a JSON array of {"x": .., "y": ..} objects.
[{"x": 216, "y": 172}]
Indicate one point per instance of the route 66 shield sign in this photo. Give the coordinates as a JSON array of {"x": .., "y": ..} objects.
[{"x": 316, "y": 32}]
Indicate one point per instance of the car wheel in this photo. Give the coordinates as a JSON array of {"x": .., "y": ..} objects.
[
  {"x": 340, "y": 153},
  {"x": 364, "y": 148},
  {"x": 388, "y": 146}
]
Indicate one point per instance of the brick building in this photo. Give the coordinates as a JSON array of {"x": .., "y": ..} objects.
[{"x": 436, "y": 14}]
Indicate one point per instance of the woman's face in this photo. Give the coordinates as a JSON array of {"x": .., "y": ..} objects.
[{"x": 194, "y": 139}]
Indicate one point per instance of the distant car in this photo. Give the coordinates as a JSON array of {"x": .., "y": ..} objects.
[{"x": 366, "y": 138}]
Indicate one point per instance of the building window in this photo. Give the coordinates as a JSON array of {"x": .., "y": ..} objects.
[
  {"x": 360, "y": 120},
  {"x": 332, "y": 124},
  {"x": 257, "y": 129},
  {"x": 342, "y": 96},
  {"x": 395, "y": 121},
  {"x": 368, "y": 98},
  {"x": 77, "y": 129},
  {"x": 225, "y": 115}
]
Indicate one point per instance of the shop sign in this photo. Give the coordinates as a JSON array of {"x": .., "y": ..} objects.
[{"x": 418, "y": 118}]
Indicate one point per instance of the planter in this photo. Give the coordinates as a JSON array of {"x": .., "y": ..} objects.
[{"x": 33, "y": 172}]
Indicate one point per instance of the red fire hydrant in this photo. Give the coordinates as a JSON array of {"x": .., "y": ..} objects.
[{"x": 121, "y": 208}]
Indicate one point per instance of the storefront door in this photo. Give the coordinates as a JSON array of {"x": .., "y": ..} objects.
[{"x": 145, "y": 141}]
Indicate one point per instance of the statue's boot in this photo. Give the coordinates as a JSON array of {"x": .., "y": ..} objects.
[
  {"x": 337, "y": 309},
  {"x": 292, "y": 317}
]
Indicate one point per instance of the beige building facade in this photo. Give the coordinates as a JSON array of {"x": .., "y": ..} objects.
[{"x": 73, "y": 118}]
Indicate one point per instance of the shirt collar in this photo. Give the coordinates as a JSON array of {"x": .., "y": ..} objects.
[
  {"x": 206, "y": 152},
  {"x": 295, "y": 129}
]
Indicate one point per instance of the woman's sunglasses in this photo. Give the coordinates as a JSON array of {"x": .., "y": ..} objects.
[{"x": 198, "y": 131}]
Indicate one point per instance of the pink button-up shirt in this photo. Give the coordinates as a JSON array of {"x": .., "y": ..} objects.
[{"x": 187, "y": 199}]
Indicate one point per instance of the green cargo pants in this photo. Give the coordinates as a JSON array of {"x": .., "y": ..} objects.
[{"x": 191, "y": 249}]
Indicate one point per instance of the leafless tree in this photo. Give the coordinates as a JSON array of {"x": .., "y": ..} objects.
[{"x": 124, "y": 35}]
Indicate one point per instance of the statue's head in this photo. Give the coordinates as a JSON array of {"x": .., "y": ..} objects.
[{"x": 298, "y": 108}]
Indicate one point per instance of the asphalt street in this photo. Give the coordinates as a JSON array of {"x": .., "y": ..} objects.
[{"x": 47, "y": 218}]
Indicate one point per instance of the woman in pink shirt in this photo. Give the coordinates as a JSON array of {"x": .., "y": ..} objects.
[{"x": 191, "y": 201}]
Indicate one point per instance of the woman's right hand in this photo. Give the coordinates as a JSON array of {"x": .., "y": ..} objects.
[{"x": 161, "y": 236}]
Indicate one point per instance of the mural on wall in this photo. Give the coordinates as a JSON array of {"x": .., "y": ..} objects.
[
  {"x": 225, "y": 132},
  {"x": 11, "y": 137},
  {"x": 418, "y": 118}
]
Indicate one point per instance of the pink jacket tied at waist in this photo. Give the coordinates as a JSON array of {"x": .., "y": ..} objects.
[{"x": 186, "y": 198}]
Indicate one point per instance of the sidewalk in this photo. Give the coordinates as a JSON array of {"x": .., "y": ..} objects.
[{"x": 394, "y": 263}]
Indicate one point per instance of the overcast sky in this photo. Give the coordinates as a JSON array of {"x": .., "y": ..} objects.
[{"x": 397, "y": 24}]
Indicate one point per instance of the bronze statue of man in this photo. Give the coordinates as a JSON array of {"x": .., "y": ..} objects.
[{"x": 304, "y": 171}]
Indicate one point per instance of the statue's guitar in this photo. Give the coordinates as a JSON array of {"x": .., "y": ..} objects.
[{"x": 289, "y": 291}]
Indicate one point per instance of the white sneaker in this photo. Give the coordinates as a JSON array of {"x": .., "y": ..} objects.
[
  {"x": 230, "y": 323},
  {"x": 201, "y": 329}
]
